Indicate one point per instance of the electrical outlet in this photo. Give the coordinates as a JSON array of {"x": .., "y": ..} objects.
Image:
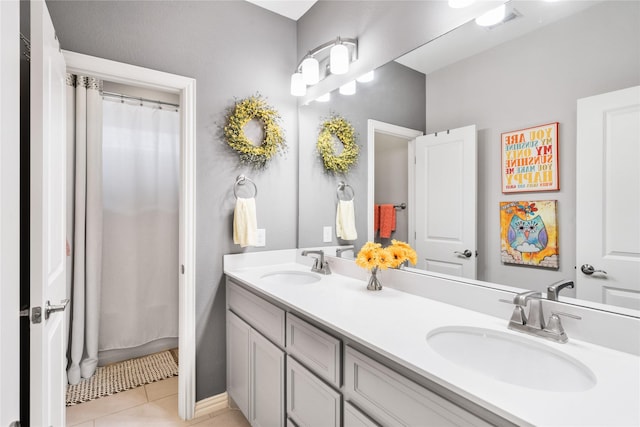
[
  {"x": 327, "y": 234},
  {"x": 261, "y": 238}
]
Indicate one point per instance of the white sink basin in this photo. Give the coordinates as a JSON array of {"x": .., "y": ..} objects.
[
  {"x": 290, "y": 277},
  {"x": 511, "y": 359}
]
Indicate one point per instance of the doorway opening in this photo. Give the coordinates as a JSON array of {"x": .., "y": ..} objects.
[{"x": 184, "y": 88}]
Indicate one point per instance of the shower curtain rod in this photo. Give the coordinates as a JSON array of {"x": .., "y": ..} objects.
[{"x": 137, "y": 98}]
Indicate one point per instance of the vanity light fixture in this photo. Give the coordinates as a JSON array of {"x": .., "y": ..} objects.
[
  {"x": 366, "y": 78},
  {"x": 332, "y": 57},
  {"x": 492, "y": 17},
  {"x": 348, "y": 88}
]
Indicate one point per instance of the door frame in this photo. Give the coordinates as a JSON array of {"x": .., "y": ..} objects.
[
  {"x": 373, "y": 127},
  {"x": 119, "y": 72},
  {"x": 9, "y": 211}
]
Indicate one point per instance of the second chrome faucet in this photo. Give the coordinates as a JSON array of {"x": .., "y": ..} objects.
[{"x": 533, "y": 323}]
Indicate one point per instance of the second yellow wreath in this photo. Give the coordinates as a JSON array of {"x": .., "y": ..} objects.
[{"x": 340, "y": 128}]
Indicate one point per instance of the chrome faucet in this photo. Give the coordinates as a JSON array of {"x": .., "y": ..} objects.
[
  {"x": 533, "y": 323},
  {"x": 554, "y": 289},
  {"x": 339, "y": 251},
  {"x": 319, "y": 265}
]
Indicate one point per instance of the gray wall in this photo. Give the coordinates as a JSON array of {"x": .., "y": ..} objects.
[
  {"x": 395, "y": 96},
  {"x": 530, "y": 81},
  {"x": 233, "y": 49}
]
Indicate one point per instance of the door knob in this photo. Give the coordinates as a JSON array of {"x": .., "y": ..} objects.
[
  {"x": 467, "y": 253},
  {"x": 588, "y": 269},
  {"x": 48, "y": 309}
]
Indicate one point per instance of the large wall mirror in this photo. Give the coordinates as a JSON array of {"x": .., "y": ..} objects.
[{"x": 528, "y": 71}]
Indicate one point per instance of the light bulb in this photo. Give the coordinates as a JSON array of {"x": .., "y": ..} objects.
[
  {"x": 366, "y": 78},
  {"x": 459, "y": 4},
  {"x": 492, "y": 17},
  {"x": 339, "y": 59},
  {"x": 348, "y": 88},
  {"x": 324, "y": 98},
  {"x": 310, "y": 71},
  {"x": 298, "y": 88}
]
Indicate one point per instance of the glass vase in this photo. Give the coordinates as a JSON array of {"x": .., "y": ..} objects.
[{"x": 374, "y": 284}]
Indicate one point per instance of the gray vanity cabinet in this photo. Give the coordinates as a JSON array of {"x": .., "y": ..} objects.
[{"x": 255, "y": 364}]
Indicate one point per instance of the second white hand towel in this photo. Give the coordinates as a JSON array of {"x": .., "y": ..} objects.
[
  {"x": 245, "y": 224},
  {"x": 346, "y": 220}
]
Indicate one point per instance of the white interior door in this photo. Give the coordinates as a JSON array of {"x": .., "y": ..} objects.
[
  {"x": 47, "y": 222},
  {"x": 9, "y": 212},
  {"x": 608, "y": 198},
  {"x": 445, "y": 202}
]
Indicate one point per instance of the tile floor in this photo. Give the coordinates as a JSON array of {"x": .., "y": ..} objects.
[{"x": 154, "y": 404}]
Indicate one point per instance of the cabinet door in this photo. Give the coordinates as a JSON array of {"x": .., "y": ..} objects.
[
  {"x": 267, "y": 382},
  {"x": 310, "y": 402},
  {"x": 238, "y": 361}
]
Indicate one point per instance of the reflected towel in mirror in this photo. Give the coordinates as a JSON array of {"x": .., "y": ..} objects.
[
  {"x": 346, "y": 220},
  {"x": 245, "y": 224},
  {"x": 387, "y": 220}
]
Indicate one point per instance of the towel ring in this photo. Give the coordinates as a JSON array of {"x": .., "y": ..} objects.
[
  {"x": 241, "y": 180},
  {"x": 342, "y": 187}
]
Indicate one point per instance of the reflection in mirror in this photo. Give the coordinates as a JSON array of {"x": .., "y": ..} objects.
[{"x": 532, "y": 71}]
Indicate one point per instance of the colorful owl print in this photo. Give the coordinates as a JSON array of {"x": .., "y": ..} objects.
[{"x": 527, "y": 235}]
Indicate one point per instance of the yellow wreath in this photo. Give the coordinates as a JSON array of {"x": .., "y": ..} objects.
[
  {"x": 245, "y": 110},
  {"x": 343, "y": 130}
]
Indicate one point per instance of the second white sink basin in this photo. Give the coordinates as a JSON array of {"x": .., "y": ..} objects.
[
  {"x": 291, "y": 277},
  {"x": 511, "y": 359}
]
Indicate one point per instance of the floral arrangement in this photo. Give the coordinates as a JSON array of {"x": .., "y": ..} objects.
[
  {"x": 245, "y": 110},
  {"x": 340, "y": 128},
  {"x": 373, "y": 256}
]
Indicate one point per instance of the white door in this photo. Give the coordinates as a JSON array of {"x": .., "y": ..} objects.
[
  {"x": 608, "y": 198},
  {"x": 9, "y": 212},
  {"x": 47, "y": 222},
  {"x": 445, "y": 202}
]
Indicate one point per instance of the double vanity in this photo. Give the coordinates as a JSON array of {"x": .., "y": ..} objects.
[{"x": 312, "y": 349}]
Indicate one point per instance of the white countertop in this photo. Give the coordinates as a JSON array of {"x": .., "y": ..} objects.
[{"x": 395, "y": 324}]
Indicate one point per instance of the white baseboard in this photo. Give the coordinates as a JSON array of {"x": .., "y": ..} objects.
[{"x": 211, "y": 404}]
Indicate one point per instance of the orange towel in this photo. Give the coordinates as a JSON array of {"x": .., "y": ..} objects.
[
  {"x": 376, "y": 218},
  {"x": 387, "y": 220}
]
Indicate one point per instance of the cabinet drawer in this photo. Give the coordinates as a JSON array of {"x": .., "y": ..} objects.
[
  {"x": 310, "y": 402},
  {"x": 260, "y": 314},
  {"x": 317, "y": 350},
  {"x": 392, "y": 399},
  {"x": 354, "y": 418}
]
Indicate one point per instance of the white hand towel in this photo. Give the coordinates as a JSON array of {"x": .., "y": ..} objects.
[
  {"x": 245, "y": 224},
  {"x": 346, "y": 220}
]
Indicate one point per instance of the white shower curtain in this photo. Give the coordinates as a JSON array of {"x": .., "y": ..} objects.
[
  {"x": 84, "y": 222},
  {"x": 139, "y": 298}
]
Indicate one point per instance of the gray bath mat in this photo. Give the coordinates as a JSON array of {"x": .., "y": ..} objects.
[{"x": 123, "y": 376}]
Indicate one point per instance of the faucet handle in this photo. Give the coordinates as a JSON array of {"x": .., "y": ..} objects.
[{"x": 560, "y": 313}]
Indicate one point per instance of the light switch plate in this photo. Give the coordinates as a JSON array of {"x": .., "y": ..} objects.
[
  {"x": 261, "y": 238},
  {"x": 327, "y": 235}
]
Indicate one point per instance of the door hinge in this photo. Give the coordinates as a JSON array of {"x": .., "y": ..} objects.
[
  {"x": 182, "y": 268},
  {"x": 15, "y": 424}
]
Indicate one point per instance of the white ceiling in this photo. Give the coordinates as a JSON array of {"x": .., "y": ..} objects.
[{"x": 292, "y": 9}]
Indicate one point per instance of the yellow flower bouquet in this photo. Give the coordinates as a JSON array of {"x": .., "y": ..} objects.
[{"x": 374, "y": 257}]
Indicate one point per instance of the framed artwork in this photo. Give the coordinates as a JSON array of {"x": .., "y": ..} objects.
[
  {"x": 530, "y": 159},
  {"x": 529, "y": 233}
]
